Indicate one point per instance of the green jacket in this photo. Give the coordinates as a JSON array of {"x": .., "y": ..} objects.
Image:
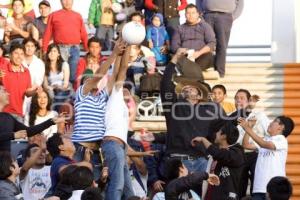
[{"x": 95, "y": 12}]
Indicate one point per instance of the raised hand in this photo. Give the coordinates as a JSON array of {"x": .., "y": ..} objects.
[
  {"x": 213, "y": 179},
  {"x": 196, "y": 141},
  {"x": 22, "y": 134}
]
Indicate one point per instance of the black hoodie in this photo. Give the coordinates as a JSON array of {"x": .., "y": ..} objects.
[{"x": 228, "y": 168}]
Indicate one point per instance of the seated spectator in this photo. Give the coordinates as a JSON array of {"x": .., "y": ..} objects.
[
  {"x": 272, "y": 152},
  {"x": 180, "y": 183},
  {"x": 28, "y": 8},
  {"x": 19, "y": 26},
  {"x": 219, "y": 95},
  {"x": 57, "y": 76},
  {"x": 139, "y": 64},
  {"x": 279, "y": 188},
  {"x": 197, "y": 36},
  {"x": 35, "y": 175},
  {"x": 40, "y": 23},
  {"x": 40, "y": 111},
  {"x": 14, "y": 72},
  {"x": 158, "y": 39},
  {"x": 229, "y": 157},
  {"x": 81, "y": 179},
  {"x": 62, "y": 150},
  {"x": 139, "y": 175},
  {"x": 11, "y": 129},
  {"x": 92, "y": 60},
  {"x": 35, "y": 66},
  {"x": 92, "y": 193},
  {"x": 9, "y": 172}
]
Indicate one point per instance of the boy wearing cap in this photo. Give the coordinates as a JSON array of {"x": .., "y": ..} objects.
[
  {"x": 272, "y": 152},
  {"x": 40, "y": 22}
]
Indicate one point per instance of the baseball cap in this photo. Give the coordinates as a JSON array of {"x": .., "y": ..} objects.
[{"x": 44, "y": 2}]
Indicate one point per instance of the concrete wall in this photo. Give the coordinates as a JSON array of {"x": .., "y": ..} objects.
[{"x": 284, "y": 31}]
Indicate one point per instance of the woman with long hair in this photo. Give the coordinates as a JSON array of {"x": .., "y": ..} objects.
[
  {"x": 57, "y": 76},
  {"x": 40, "y": 111}
]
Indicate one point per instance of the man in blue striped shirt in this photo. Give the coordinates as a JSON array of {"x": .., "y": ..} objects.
[{"x": 90, "y": 107}]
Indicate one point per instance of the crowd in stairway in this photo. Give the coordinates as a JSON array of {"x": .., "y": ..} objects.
[{"x": 75, "y": 106}]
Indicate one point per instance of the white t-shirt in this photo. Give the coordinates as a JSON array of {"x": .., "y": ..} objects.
[
  {"x": 116, "y": 116},
  {"x": 76, "y": 195},
  {"x": 270, "y": 163},
  {"x": 36, "y": 184},
  {"x": 37, "y": 70},
  {"x": 161, "y": 196},
  {"x": 49, "y": 131},
  {"x": 137, "y": 188}
]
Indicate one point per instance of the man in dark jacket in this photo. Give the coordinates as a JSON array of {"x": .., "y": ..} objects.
[
  {"x": 180, "y": 182},
  {"x": 188, "y": 114},
  {"x": 229, "y": 158}
]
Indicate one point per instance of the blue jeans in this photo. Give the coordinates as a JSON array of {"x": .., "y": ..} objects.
[
  {"x": 95, "y": 159},
  {"x": 259, "y": 196},
  {"x": 71, "y": 54},
  {"x": 119, "y": 184},
  {"x": 198, "y": 165}
]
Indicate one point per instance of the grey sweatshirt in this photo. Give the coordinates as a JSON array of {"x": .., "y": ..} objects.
[
  {"x": 227, "y": 6},
  {"x": 9, "y": 191}
]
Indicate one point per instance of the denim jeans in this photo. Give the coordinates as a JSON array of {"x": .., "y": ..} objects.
[
  {"x": 198, "y": 165},
  {"x": 95, "y": 159},
  {"x": 259, "y": 196},
  {"x": 71, "y": 54},
  {"x": 119, "y": 184}
]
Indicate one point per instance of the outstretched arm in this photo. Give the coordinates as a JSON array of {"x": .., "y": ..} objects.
[
  {"x": 92, "y": 83},
  {"x": 260, "y": 141}
]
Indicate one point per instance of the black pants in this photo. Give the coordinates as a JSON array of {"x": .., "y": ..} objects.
[
  {"x": 248, "y": 173},
  {"x": 221, "y": 24}
]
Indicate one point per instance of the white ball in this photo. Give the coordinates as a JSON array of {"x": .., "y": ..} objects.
[
  {"x": 116, "y": 7},
  {"x": 133, "y": 33}
]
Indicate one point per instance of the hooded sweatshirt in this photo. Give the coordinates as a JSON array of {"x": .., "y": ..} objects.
[
  {"x": 9, "y": 191},
  {"x": 158, "y": 35}
]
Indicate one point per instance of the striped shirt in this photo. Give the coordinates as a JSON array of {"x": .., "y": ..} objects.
[{"x": 89, "y": 116}]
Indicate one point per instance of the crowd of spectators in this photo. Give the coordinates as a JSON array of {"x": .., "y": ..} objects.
[{"x": 77, "y": 113}]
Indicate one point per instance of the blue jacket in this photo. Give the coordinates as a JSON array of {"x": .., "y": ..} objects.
[{"x": 158, "y": 35}]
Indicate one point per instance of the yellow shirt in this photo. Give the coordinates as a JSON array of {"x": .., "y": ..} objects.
[{"x": 228, "y": 107}]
